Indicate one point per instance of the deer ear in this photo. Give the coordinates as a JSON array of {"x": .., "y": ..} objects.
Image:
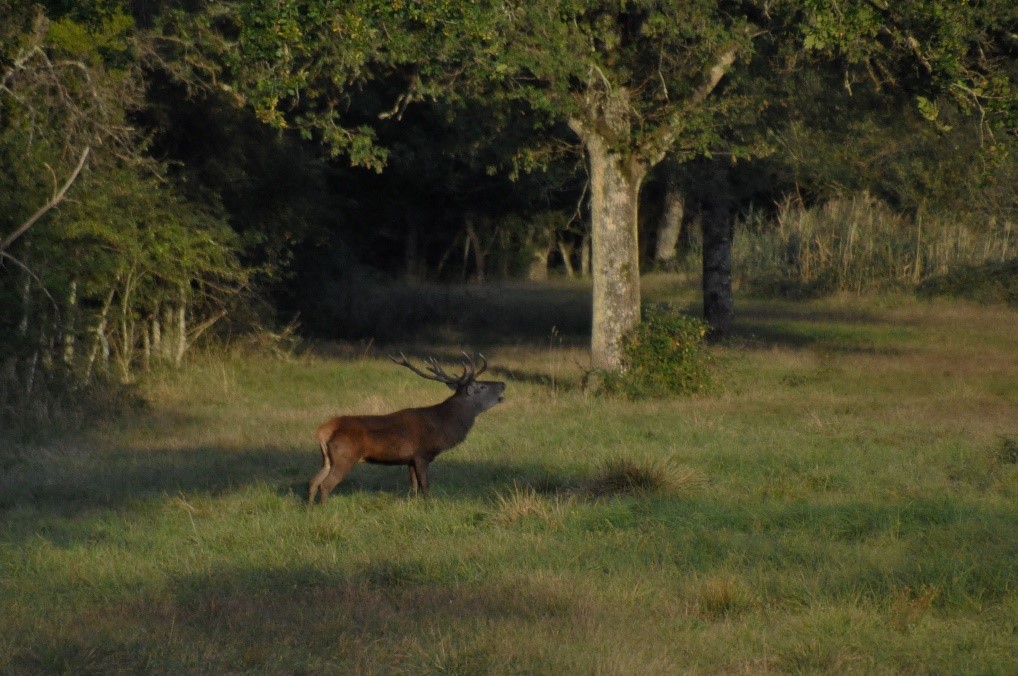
[{"x": 453, "y": 386}]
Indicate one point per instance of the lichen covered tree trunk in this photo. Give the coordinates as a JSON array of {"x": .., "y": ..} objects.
[{"x": 615, "y": 260}]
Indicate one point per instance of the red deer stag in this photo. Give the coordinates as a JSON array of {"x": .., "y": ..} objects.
[{"x": 412, "y": 437}]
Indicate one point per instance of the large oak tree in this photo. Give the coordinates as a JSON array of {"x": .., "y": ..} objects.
[{"x": 634, "y": 81}]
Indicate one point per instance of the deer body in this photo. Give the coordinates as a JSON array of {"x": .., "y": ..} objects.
[{"x": 412, "y": 436}]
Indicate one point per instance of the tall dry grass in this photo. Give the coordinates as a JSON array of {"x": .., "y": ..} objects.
[{"x": 859, "y": 243}]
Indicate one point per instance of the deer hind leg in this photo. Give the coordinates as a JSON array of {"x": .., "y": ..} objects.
[
  {"x": 341, "y": 464},
  {"x": 414, "y": 483},
  {"x": 317, "y": 479}
]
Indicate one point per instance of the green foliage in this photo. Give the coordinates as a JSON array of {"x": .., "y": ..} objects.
[
  {"x": 124, "y": 259},
  {"x": 303, "y": 64},
  {"x": 664, "y": 355},
  {"x": 959, "y": 50}
]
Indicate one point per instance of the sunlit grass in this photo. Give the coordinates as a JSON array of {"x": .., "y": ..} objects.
[{"x": 846, "y": 502}]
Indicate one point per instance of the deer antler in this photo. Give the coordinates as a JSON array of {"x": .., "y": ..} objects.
[
  {"x": 437, "y": 373},
  {"x": 470, "y": 366},
  {"x": 484, "y": 365}
]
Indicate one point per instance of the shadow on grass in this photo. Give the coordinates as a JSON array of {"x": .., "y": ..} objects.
[
  {"x": 836, "y": 330},
  {"x": 412, "y": 612},
  {"x": 81, "y": 482},
  {"x": 299, "y": 620}
]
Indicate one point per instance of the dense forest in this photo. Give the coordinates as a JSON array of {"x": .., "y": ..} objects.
[{"x": 174, "y": 173}]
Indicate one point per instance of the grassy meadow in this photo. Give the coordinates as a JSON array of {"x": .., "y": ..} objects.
[{"x": 846, "y": 501}]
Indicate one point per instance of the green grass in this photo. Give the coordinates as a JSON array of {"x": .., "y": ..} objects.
[{"x": 846, "y": 502}]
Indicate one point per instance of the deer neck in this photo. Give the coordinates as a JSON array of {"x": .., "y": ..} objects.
[{"x": 455, "y": 417}]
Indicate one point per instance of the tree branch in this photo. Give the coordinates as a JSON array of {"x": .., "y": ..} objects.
[
  {"x": 655, "y": 149},
  {"x": 28, "y": 271},
  {"x": 57, "y": 198},
  {"x": 714, "y": 76}
]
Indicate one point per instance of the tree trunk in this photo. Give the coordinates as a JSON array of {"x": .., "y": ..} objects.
[
  {"x": 475, "y": 242},
  {"x": 146, "y": 346},
  {"x": 166, "y": 340},
  {"x": 127, "y": 336},
  {"x": 718, "y": 232},
  {"x": 537, "y": 271},
  {"x": 101, "y": 343},
  {"x": 615, "y": 255},
  {"x": 567, "y": 258},
  {"x": 26, "y": 304},
  {"x": 181, "y": 343},
  {"x": 411, "y": 264},
  {"x": 157, "y": 334},
  {"x": 670, "y": 227},
  {"x": 70, "y": 317}
]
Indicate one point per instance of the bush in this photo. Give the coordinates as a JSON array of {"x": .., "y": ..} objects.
[
  {"x": 983, "y": 283},
  {"x": 663, "y": 356},
  {"x": 57, "y": 404}
]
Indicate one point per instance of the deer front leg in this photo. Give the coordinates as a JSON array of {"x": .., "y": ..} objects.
[{"x": 420, "y": 469}]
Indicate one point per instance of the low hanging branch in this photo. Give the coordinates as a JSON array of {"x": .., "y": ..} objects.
[{"x": 57, "y": 198}]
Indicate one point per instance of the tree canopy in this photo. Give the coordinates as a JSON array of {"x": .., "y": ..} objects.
[{"x": 181, "y": 151}]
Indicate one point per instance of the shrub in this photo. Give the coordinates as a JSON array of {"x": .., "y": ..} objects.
[
  {"x": 663, "y": 355},
  {"x": 991, "y": 282}
]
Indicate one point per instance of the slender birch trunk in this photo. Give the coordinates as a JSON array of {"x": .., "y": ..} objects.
[
  {"x": 100, "y": 343},
  {"x": 166, "y": 343},
  {"x": 70, "y": 320},
  {"x": 157, "y": 333},
  {"x": 567, "y": 258},
  {"x": 181, "y": 343},
  {"x": 475, "y": 241}
]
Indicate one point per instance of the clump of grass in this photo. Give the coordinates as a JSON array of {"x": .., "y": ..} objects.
[
  {"x": 716, "y": 596},
  {"x": 909, "y": 605},
  {"x": 523, "y": 502},
  {"x": 1007, "y": 451},
  {"x": 621, "y": 474}
]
